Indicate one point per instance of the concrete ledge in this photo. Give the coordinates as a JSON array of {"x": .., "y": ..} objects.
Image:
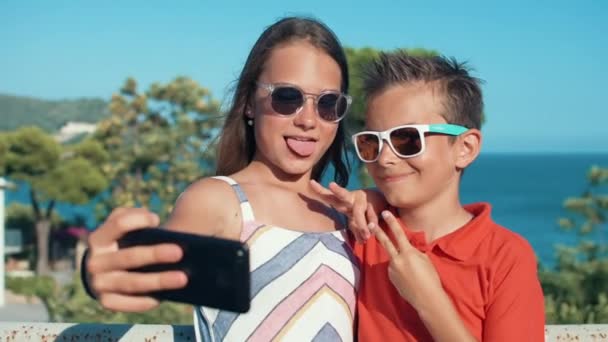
[
  {"x": 85, "y": 332},
  {"x": 577, "y": 332},
  {"x": 26, "y": 331}
]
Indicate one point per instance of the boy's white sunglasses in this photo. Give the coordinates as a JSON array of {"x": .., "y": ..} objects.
[{"x": 406, "y": 141}]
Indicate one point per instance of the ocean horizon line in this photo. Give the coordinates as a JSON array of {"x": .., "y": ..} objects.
[{"x": 545, "y": 153}]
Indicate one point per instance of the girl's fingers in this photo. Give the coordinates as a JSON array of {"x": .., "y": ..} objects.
[
  {"x": 385, "y": 242},
  {"x": 342, "y": 194},
  {"x": 120, "y": 222},
  {"x": 331, "y": 198},
  {"x": 319, "y": 189},
  {"x": 402, "y": 242},
  {"x": 130, "y": 283},
  {"x": 371, "y": 216},
  {"x": 359, "y": 219},
  {"x": 133, "y": 257},
  {"x": 125, "y": 303}
]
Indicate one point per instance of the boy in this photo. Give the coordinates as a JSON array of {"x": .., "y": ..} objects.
[{"x": 447, "y": 266}]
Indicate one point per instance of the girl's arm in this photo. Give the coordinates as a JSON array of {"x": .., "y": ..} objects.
[{"x": 207, "y": 207}]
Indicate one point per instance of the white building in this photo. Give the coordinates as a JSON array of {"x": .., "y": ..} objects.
[{"x": 72, "y": 129}]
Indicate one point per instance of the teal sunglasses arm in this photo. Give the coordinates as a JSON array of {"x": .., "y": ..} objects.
[{"x": 447, "y": 129}]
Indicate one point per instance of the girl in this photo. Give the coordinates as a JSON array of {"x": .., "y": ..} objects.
[{"x": 283, "y": 129}]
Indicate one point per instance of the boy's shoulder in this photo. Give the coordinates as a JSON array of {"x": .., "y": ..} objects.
[{"x": 502, "y": 243}]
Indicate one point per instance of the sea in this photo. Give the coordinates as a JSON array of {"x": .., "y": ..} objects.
[{"x": 526, "y": 191}]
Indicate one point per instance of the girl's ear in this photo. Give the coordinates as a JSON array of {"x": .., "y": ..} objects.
[
  {"x": 469, "y": 146},
  {"x": 248, "y": 112}
]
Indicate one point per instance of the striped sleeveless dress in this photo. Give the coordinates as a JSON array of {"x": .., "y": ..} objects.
[{"x": 303, "y": 286}]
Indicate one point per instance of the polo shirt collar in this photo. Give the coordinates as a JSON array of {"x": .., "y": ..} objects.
[{"x": 461, "y": 243}]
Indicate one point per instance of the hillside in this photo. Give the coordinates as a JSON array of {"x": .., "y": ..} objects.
[{"x": 16, "y": 111}]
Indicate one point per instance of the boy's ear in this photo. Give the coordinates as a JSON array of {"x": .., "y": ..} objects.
[{"x": 469, "y": 148}]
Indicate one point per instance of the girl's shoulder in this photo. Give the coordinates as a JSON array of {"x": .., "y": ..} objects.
[{"x": 208, "y": 206}]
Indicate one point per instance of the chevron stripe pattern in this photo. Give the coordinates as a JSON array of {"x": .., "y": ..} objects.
[{"x": 303, "y": 289}]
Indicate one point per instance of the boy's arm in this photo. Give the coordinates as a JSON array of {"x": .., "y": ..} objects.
[
  {"x": 442, "y": 320},
  {"x": 417, "y": 281},
  {"x": 516, "y": 311}
]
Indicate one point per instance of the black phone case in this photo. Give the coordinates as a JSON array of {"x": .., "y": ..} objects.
[{"x": 217, "y": 269}]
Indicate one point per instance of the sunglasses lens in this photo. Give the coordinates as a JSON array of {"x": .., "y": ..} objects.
[
  {"x": 406, "y": 141},
  {"x": 286, "y": 100},
  {"x": 368, "y": 146},
  {"x": 331, "y": 106}
]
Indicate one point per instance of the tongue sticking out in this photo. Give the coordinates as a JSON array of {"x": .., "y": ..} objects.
[{"x": 301, "y": 148}]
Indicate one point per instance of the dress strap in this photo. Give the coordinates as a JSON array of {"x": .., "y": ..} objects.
[{"x": 246, "y": 210}]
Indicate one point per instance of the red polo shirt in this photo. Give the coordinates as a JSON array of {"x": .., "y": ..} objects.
[{"x": 489, "y": 272}]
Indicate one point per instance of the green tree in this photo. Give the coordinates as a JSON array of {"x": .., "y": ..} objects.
[
  {"x": 158, "y": 142},
  {"x": 3, "y": 150},
  {"x": 54, "y": 173},
  {"x": 21, "y": 217},
  {"x": 576, "y": 291},
  {"x": 357, "y": 59},
  {"x": 69, "y": 303}
]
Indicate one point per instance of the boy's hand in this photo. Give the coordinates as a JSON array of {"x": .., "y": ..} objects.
[
  {"x": 410, "y": 270},
  {"x": 353, "y": 204}
]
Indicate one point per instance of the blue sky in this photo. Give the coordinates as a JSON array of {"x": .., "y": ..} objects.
[{"x": 545, "y": 64}]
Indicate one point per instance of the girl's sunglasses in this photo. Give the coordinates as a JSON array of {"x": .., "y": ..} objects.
[
  {"x": 288, "y": 99},
  {"x": 406, "y": 141}
]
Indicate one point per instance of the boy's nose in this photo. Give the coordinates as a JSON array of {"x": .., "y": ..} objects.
[{"x": 387, "y": 156}]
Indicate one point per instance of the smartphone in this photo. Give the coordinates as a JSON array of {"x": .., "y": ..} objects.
[{"x": 217, "y": 269}]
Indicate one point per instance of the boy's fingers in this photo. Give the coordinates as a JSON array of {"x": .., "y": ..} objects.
[
  {"x": 402, "y": 242},
  {"x": 385, "y": 242}
]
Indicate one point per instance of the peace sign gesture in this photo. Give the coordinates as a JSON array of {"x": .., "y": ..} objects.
[
  {"x": 417, "y": 281},
  {"x": 409, "y": 270},
  {"x": 354, "y": 204},
  {"x": 358, "y": 205}
]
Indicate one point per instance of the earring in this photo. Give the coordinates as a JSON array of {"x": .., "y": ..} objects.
[{"x": 250, "y": 122}]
